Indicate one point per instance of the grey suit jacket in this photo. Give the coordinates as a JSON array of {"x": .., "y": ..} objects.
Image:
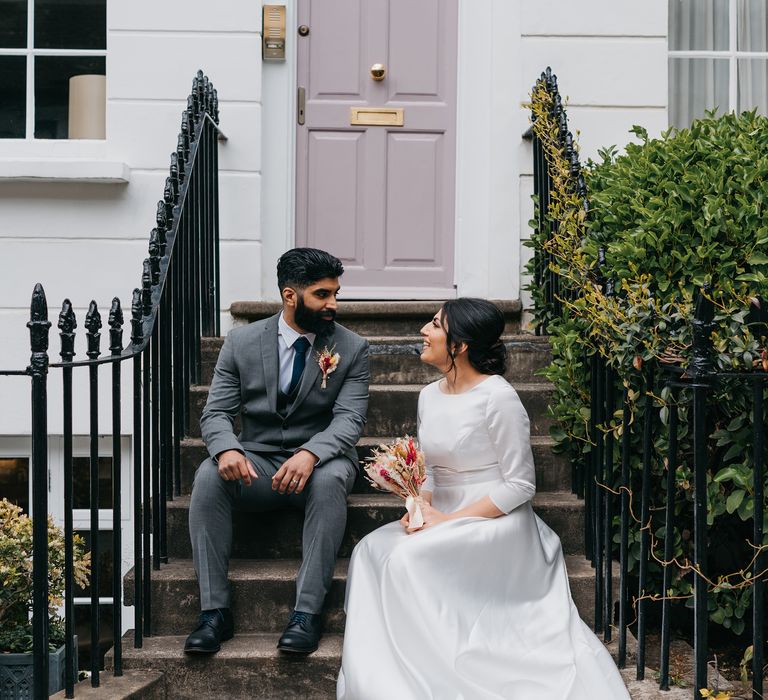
[{"x": 327, "y": 422}]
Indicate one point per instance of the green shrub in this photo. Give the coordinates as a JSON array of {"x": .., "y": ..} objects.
[
  {"x": 16, "y": 578},
  {"x": 672, "y": 214}
]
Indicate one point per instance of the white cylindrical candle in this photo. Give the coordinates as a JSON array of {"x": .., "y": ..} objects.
[{"x": 87, "y": 106}]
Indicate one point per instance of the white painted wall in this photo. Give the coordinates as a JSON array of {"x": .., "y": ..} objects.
[{"x": 85, "y": 240}]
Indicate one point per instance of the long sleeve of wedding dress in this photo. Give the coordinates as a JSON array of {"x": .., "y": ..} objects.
[
  {"x": 509, "y": 433},
  {"x": 473, "y": 608}
]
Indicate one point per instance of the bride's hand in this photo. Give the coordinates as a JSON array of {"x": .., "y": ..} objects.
[
  {"x": 405, "y": 521},
  {"x": 432, "y": 516}
]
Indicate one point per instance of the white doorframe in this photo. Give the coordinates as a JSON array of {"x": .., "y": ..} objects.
[
  {"x": 278, "y": 164},
  {"x": 488, "y": 149}
]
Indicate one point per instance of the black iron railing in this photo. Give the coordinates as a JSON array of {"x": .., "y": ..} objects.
[
  {"x": 609, "y": 473},
  {"x": 549, "y": 288},
  {"x": 616, "y": 494},
  {"x": 177, "y": 303}
]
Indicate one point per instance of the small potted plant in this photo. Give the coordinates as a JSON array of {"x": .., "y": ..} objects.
[{"x": 16, "y": 600}]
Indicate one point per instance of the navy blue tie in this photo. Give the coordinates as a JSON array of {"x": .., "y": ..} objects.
[{"x": 299, "y": 360}]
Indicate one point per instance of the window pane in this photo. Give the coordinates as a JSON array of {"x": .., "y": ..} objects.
[
  {"x": 753, "y": 84},
  {"x": 752, "y": 25},
  {"x": 52, "y": 74},
  {"x": 14, "y": 480},
  {"x": 696, "y": 85},
  {"x": 13, "y": 24},
  {"x": 83, "y": 632},
  {"x": 698, "y": 26},
  {"x": 13, "y": 106},
  {"x": 105, "y": 563},
  {"x": 70, "y": 24},
  {"x": 81, "y": 477}
]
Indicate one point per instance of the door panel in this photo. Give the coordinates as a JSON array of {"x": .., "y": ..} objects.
[
  {"x": 414, "y": 48},
  {"x": 335, "y": 49},
  {"x": 335, "y": 161},
  {"x": 379, "y": 197},
  {"x": 413, "y": 200}
]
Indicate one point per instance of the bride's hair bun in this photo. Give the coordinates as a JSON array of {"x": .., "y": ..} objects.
[{"x": 479, "y": 324}]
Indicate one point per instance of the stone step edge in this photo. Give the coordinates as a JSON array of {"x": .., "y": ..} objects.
[
  {"x": 366, "y": 309},
  {"x": 550, "y": 499},
  {"x": 525, "y": 387},
  {"x": 511, "y": 338},
  {"x": 285, "y": 570},
  {"x": 132, "y": 685},
  {"x": 536, "y": 441},
  {"x": 249, "y": 645},
  {"x": 261, "y": 647}
]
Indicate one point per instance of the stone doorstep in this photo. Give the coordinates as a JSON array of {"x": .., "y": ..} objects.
[
  {"x": 254, "y": 532},
  {"x": 553, "y": 471},
  {"x": 392, "y": 408},
  {"x": 132, "y": 685},
  {"x": 263, "y": 592}
]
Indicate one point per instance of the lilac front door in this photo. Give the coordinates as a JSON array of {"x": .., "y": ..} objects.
[{"x": 380, "y": 197}]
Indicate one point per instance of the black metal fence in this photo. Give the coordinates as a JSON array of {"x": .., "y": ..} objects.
[
  {"x": 549, "y": 284},
  {"x": 604, "y": 477},
  {"x": 177, "y": 303}
]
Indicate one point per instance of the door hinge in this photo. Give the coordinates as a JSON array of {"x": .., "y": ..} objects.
[{"x": 300, "y": 105}]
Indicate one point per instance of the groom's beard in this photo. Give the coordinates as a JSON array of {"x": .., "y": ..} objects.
[{"x": 313, "y": 321}]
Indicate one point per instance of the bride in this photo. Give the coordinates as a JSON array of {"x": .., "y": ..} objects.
[{"x": 475, "y": 605}]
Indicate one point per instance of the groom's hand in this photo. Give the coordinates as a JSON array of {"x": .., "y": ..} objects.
[
  {"x": 295, "y": 472},
  {"x": 234, "y": 465}
]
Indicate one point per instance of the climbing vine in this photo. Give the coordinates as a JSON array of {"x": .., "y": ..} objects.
[{"x": 670, "y": 215}]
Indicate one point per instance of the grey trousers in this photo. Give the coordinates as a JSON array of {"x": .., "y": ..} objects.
[{"x": 324, "y": 501}]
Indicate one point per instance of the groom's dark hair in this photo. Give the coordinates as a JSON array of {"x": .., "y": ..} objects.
[{"x": 301, "y": 267}]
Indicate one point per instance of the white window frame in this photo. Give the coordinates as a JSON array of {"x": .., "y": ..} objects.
[
  {"x": 732, "y": 54},
  {"x": 81, "y": 517},
  {"x": 31, "y": 53}
]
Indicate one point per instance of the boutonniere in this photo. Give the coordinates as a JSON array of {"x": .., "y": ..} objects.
[{"x": 328, "y": 361}]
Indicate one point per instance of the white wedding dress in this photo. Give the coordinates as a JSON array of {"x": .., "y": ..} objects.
[{"x": 473, "y": 608}]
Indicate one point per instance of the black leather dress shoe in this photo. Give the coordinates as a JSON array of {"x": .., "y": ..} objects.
[
  {"x": 302, "y": 634},
  {"x": 216, "y": 626}
]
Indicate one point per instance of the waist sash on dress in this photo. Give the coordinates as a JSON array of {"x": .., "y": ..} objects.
[{"x": 445, "y": 476}]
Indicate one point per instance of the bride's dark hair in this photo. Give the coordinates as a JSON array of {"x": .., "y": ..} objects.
[{"x": 479, "y": 324}]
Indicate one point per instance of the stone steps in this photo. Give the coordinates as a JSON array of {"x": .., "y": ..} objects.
[
  {"x": 254, "y": 533},
  {"x": 392, "y": 408},
  {"x": 267, "y": 547},
  {"x": 264, "y": 590},
  {"x": 395, "y": 359},
  {"x": 553, "y": 471}
]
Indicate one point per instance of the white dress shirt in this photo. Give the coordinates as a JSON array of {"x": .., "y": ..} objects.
[{"x": 286, "y": 337}]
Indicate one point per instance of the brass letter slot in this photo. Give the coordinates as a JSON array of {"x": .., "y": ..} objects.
[{"x": 376, "y": 116}]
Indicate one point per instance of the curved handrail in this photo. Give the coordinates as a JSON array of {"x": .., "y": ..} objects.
[{"x": 176, "y": 304}]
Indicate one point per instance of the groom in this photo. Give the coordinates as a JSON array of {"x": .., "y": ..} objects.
[{"x": 296, "y": 448}]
